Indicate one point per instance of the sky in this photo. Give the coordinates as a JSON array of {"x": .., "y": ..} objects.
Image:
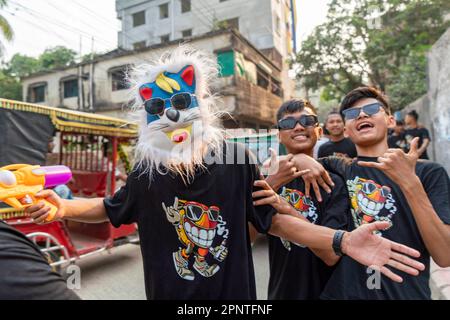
[{"x": 40, "y": 24}]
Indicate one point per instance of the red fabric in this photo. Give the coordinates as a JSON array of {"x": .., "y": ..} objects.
[{"x": 88, "y": 183}]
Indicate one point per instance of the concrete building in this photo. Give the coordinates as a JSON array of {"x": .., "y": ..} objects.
[
  {"x": 268, "y": 24},
  {"x": 249, "y": 83}
]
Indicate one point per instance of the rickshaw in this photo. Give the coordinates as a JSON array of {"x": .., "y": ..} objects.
[{"x": 90, "y": 145}]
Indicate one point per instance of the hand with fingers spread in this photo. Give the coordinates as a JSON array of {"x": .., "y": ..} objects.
[
  {"x": 377, "y": 252},
  {"x": 317, "y": 177},
  {"x": 399, "y": 166},
  {"x": 281, "y": 170},
  {"x": 40, "y": 212}
]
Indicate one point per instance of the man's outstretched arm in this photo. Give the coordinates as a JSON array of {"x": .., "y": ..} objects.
[
  {"x": 85, "y": 210},
  {"x": 400, "y": 167},
  {"x": 361, "y": 244}
]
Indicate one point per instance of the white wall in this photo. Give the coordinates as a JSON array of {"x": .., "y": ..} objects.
[
  {"x": 102, "y": 77},
  {"x": 255, "y": 20}
]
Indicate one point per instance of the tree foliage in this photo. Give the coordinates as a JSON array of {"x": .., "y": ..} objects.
[
  {"x": 21, "y": 66},
  {"x": 377, "y": 42}
]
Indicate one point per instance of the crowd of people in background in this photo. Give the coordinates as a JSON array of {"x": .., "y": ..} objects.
[{"x": 335, "y": 143}]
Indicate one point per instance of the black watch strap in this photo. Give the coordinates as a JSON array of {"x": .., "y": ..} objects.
[{"x": 337, "y": 242}]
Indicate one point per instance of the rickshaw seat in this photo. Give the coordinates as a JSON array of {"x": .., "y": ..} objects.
[{"x": 89, "y": 184}]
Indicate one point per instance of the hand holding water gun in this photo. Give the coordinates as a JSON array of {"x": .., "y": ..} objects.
[{"x": 19, "y": 184}]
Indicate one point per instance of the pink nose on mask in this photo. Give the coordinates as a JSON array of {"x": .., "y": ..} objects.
[{"x": 180, "y": 137}]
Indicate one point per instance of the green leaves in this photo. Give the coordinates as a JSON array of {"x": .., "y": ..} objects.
[
  {"x": 5, "y": 28},
  {"x": 57, "y": 57},
  {"x": 21, "y": 66}
]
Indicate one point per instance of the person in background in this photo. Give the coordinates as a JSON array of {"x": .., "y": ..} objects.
[
  {"x": 322, "y": 140},
  {"x": 414, "y": 130},
  {"x": 338, "y": 145},
  {"x": 397, "y": 138}
]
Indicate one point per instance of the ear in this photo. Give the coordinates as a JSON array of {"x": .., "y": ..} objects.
[
  {"x": 188, "y": 75},
  {"x": 319, "y": 132},
  {"x": 345, "y": 132},
  {"x": 391, "y": 122},
  {"x": 146, "y": 93}
]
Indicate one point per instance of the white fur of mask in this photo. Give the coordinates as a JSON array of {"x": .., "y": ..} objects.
[{"x": 154, "y": 150}]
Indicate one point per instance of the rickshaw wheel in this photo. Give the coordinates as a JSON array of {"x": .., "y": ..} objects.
[
  {"x": 52, "y": 257},
  {"x": 50, "y": 247}
]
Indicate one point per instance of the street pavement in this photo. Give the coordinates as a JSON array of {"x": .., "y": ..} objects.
[{"x": 118, "y": 275}]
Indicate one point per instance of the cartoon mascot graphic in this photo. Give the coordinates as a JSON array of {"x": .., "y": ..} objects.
[
  {"x": 197, "y": 226},
  {"x": 368, "y": 200},
  {"x": 304, "y": 207}
]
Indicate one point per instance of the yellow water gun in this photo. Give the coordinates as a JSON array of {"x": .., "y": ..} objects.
[{"x": 19, "y": 184}]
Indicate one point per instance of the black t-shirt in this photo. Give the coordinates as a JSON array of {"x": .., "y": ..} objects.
[
  {"x": 194, "y": 239},
  {"x": 374, "y": 197},
  {"x": 296, "y": 273},
  {"x": 25, "y": 273},
  {"x": 397, "y": 142},
  {"x": 422, "y": 133},
  {"x": 344, "y": 147}
]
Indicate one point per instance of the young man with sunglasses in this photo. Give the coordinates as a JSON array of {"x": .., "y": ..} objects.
[
  {"x": 387, "y": 185},
  {"x": 295, "y": 270}
]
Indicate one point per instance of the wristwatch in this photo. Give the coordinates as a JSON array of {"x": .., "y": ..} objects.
[{"x": 337, "y": 242}]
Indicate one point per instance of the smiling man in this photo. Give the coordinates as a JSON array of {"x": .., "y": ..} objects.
[
  {"x": 338, "y": 145},
  {"x": 295, "y": 270},
  {"x": 387, "y": 185}
]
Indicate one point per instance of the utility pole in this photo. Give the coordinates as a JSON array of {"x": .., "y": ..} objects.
[
  {"x": 172, "y": 18},
  {"x": 91, "y": 78},
  {"x": 80, "y": 80}
]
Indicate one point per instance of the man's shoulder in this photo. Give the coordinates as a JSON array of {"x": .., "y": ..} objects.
[
  {"x": 338, "y": 180},
  {"x": 327, "y": 144},
  {"x": 426, "y": 167}
]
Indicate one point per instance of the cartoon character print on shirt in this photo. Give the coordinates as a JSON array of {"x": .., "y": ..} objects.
[
  {"x": 197, "y": 226},
  {"x": 370, "y": 201},
  {"x": 304, "y": 207}
]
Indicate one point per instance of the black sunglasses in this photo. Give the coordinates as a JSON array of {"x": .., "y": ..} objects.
[
  {"x": 304, "y": 120},
  {"x": 195, "y": 212},
  {"x": 179, "y": 101},
  {"x": 369, "y": 109}
]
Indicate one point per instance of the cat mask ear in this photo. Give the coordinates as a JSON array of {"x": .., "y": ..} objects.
[{"x": 188, "y": 76}]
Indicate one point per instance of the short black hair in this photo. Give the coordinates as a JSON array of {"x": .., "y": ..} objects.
[
  {"x": 399, "y": 123},
  {"x": 294, "y": 105},
  {"x": 361, "y": 93},
  {"x": 414, "y": 114},
  {"x": 332, "y": 113}
]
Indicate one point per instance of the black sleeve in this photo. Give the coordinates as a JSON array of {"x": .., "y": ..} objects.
[
  {"x": 260, "y": 216},
  {"x": 352, "y": 153},
  {"x": 322, "y": 151},
  {"x": 25, "y": 273},
  {"x": 121, "y": 208},
  {"x": 336, "y": 207},
  {"x": 425, "y": 134},
  {"x": 336, "y": 165},
  {"x": 437, "y": 186}
]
